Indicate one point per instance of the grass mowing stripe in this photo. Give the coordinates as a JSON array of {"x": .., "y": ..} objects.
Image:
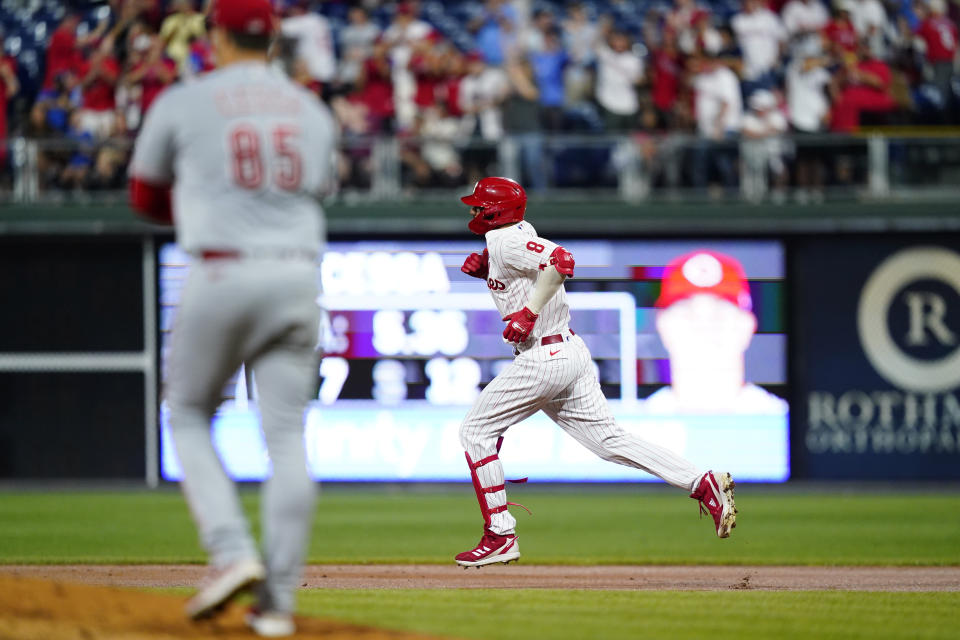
[
  {"x": 592, "y": 526},
  {"x": 612, "y": 615}
]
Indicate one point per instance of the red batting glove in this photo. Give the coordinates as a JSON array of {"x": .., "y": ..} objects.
[
  {"x": 519, "y": 325},
  {"x": 477, "y": 265}
]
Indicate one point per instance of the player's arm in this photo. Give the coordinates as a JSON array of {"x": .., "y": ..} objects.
[
  {"x": 151, "y": 170},
  {"x": 9, "y": 76},
  {"x": 558, "y": 267}
]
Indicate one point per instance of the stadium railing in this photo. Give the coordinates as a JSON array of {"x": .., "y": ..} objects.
[{"x": 630, "y": 168}]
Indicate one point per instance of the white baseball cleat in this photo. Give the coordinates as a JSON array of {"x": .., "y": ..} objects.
[
  {"x": 491, "y": 549},
  {"x": 270, "y": 624},
  {"x": 223, "y": 586}
]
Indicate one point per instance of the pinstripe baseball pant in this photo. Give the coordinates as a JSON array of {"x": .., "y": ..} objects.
[{"x": 559, "y": 380}]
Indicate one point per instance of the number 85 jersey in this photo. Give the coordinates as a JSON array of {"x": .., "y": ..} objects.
[
  {"x": 248, "y": 153},
  {"x": 517, "y": 256}
]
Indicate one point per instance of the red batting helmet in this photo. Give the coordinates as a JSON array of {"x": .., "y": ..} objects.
[{"x": 503, "y": 200}]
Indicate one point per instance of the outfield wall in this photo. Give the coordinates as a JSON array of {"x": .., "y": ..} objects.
[{"x": 871, "y": 313}]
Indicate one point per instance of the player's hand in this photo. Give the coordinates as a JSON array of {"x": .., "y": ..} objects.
[
  {"x": 519, "y": 325},
  {"x": 477, "y": 265}
]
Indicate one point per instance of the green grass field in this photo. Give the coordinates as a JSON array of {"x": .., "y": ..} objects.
[
  {"x": 592, "y": 525},
  {"x": 622, "y": 615},
  {"x": 582, "y": 525}
]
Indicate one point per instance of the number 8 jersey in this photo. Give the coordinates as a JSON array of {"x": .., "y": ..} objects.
[
  {"x": 249, "y": 152},
  {"x": 517, "y": 256}
]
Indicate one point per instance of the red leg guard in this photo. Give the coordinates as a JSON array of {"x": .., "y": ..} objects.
[{"x": 482, "y": 491}]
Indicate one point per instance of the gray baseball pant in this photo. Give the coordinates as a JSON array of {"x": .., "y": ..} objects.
[{"x": 262, "y": 312}]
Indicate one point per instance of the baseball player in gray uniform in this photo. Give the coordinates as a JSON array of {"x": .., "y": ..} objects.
[
  {"x": 247, "y": 153},
  {"x": 552, "y": 372}
]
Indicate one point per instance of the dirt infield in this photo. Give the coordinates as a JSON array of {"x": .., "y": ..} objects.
[
  {"x": 32, "y": 609},
  {"x": 89, "y": 602},
  {"x": 518, "y": 576}
]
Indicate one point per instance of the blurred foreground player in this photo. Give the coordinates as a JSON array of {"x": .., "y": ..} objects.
[
  {"x": 247, "y": 154},
  {"x": 552, "y": 372}
]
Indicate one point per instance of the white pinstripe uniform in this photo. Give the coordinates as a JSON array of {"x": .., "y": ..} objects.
[{"x": 557, "y": 378}]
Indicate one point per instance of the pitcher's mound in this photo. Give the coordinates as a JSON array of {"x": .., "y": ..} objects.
[{"x": 33, "y": 609}]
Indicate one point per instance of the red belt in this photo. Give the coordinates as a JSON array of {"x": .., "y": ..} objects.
[
  {"x": 554, "y": 339},
  {"x": 220, "y": 254},
  {"x": 279, "y": 254}
]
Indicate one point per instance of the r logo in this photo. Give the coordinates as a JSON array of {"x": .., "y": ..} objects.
[
  {"x": 930, "y": 320},
  {"x": 927, "y": 312},
  {"x": 496, "y": 285}
]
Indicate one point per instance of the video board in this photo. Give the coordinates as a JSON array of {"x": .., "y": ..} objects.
[{"x": 408, "y": 342}]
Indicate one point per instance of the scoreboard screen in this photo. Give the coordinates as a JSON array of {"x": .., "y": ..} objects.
[{"x": 408, "y": 342}]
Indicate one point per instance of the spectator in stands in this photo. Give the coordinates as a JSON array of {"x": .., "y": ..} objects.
[
  {"x": 761, "y": 37},
  {"x": 98, "y": 78},
  {"x": 401, "y": 36},
  {"x": 532, "y": 38},
  {"x": 356, "y": 43},
  {"x": 839, "y": 35},
  {"x": 426, "y": 65},
  {"x": 354, "y": 159},
  {"x": 763, "y": 128},
  {"x": 50, "y": 159},
  {"x": 62, "y": 54},
  {"x": 869, "y": 19},
  {"x": 374, "y": 89},
  {"x": 9, "y": 87},
  {"x": 939, "y": 35},
  {"x": 200, "y": 59},
  {"x": 314, "y": 59},
  {"x": 61, "y": 100},
  {"x": 718, "y": 112},
  {"x": 680, "y": 21},
  {"x": 905, "y": 9},
  {"x": 436, "y": 161},
  {"x": 81, "y": 154},
  {"x": 548, "y": 69},
  {"x": 496, "y": 30},
  {"x": 619, "y": 71},
  {"x": 521, "y": 119},
  {"x": 803, "y": 21},
  {"x": 863, "y": 85},
  {"x": 807, "y": 81},
  {"x": 183, "y": 24},
  {"x": 580, "y": 36},
  {"x": 149, "y": 73},
  {"x": 705, "y": 37},
  {"x": 665, "y": 75},
  {"x": 151, "y": 12},
  {"x": 448, "y": 90},
  {"x": 482, "y": 92}
]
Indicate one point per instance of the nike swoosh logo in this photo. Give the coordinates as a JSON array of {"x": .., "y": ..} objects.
[{"x": 553, "y": 353}]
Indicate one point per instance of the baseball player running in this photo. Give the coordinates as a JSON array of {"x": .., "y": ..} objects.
[
  {"x": 247, "y": 153},
  {"x": 552, "y": 372}
]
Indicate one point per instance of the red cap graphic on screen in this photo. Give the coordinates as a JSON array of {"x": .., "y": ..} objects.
[
  {"x": 250, "y": 17},
  {"x": 704, "y": 272},
  {"x": 706, "y": 324}
]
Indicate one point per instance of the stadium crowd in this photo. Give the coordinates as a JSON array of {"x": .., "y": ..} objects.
[{"x": 449, "y": 80}]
